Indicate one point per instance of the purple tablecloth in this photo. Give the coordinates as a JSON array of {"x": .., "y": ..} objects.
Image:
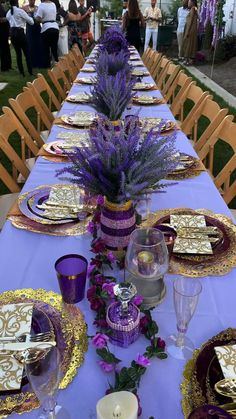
[{"x": 27, "y": 261}]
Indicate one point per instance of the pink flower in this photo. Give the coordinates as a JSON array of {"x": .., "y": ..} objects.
[
  {"x": 101, "y": 323},
  {"x": 143, "y": 361},
  {"x": 109, "y": 288},
  {"x": 100, "y": 200},
  {"x": 99, "y": 279},
  {"x": 100, "y": 340},
  {"x": 98, "y": 246},
  {"x": 161, "y": 343},
  {"x": 105, "y": 366},
  {"x": 91, "y": 293},
  {"x": 91, "y": 227},
  {"x": 111, "y": 257},
  {"x": 144, "y": 324},
  {"x": 137, "y": 300}
]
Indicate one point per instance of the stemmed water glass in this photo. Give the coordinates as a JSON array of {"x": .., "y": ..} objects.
[
  {"x": 186, "y": 294},
  {"x": 44, "y": 375}
]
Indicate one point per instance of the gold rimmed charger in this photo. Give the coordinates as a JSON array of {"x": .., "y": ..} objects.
[
  {"x": 82, "y": 97},
  {"x": 148, "y": 100},
  {"x": 85, "y": 80},
  {"x": 223, "y": 259},
  {"x": 189, "y": 167},
  {"x": 74, "y": 331},
  {"x": 145, "y": 86},
  {"x": 202, "y": 372}
]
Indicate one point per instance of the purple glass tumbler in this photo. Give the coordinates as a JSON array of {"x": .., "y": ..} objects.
[{"x": 71, "y": 273}]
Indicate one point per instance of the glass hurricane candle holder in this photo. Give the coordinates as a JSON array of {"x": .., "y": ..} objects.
[{"x": 146, "y": 263}]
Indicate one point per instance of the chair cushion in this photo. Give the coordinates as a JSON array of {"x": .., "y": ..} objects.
[{"x": 6, "y": 202}]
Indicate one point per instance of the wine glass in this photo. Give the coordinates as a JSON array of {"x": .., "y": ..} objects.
[
  {"x": 146, "y": 263},
  {"x": 186, "y": 294},
  {"x": 44, "y": 376}
]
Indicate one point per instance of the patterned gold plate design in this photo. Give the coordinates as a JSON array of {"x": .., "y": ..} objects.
[
  {"x": 218, "y": 264},
  {"x": 74, "y": 332},
  {"x": 192, "y": 393}
]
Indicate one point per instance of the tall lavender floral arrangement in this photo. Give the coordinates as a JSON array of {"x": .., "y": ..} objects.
[
  {"x": 110, "y": 64},
  {"x": 120, "y": 165},
  {"x": 114, "y": 41},
  {"x": 111, "y": 94}
]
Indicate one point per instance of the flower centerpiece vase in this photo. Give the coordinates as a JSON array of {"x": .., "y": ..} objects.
[{"x": 117, "y": 223}]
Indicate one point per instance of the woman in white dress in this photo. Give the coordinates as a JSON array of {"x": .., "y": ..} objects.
[{"x": 181, "y": 16}]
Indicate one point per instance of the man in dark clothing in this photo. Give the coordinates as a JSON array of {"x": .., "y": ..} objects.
[
  {"x": 85, "y": 26},
  {"x": 5, "y": 54}
]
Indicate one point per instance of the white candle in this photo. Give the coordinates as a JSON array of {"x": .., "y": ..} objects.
[{"x": 121, "y": 405}]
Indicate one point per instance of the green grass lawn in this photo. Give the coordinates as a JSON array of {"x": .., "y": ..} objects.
[{"x": 16, "y": 82}]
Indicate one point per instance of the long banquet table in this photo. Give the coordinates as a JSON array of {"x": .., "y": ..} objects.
[{"x": 27, "y": 261}]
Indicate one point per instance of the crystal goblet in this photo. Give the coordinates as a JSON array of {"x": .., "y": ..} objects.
[
  {"x": 186, "y": 294},
  {"x": 44, "y": 375}
]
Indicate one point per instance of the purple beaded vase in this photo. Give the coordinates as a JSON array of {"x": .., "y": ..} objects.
[
  {"x": 117, "y": 223},
  {"x": 123, "y": 317}
]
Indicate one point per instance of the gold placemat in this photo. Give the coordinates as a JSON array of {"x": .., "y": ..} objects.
[
  {"x": 219, "y": 264},
  {"x": 188, "y": 173},
  {"x": 73, "y": 325},
  {"x": 191, "y": 391}
]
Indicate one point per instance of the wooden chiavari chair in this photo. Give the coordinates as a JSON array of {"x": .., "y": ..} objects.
[
  {"x": 178, "y": 87},
  {"x": 225, "y": 180},
  {"x": 78, "y": 56},
  {"x": 190, "y": 99},
  {"x": 60, "y": 81},
  {"x": 160, "y": 70},
  {"x": 156, "y": 61},
  {"x": 45, "y": 96},
  {"x": 32, "y": 116},
  {"x": 210, "y": 115},
  {"x": 171, "y": 73}
]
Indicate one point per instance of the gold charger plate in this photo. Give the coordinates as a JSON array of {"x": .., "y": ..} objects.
[
  {"x": 79, "y": 98},
  {"x": 85, "y": 80},
  {"x": 197, "y": 387},
  {"x": 74, "y": 331},
  {"x": 147, "y": 100},
  {"x": 197, "y": 265},
  {"x": 144, "y": 86},
  {"x": 80, "y": 119}
]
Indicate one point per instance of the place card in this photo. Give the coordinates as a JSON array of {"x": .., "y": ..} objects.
[
  {"x": 74, "y": 136},
  {"x": 191, "y": 244},
  {"x": 227, "y": 359},
  {"x": 15, "y": 319}
]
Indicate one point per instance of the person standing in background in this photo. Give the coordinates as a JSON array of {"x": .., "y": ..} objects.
[
  {"x": 46, "y": 14},
  {"x": 132, "y": 20},
  {"x": 18, "y": 18},
  {"x": 190, "y": 42},
  {"x": 181, "y": 17},
  {"x": 125, "y": 4},
  {"x": 33, "y": 36},
  {"x": 5, "y": 53},
  {"x": 152, "y": 16},
  {"x": 75, "y": 36},
  {"x": 87, "y": 35}
]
